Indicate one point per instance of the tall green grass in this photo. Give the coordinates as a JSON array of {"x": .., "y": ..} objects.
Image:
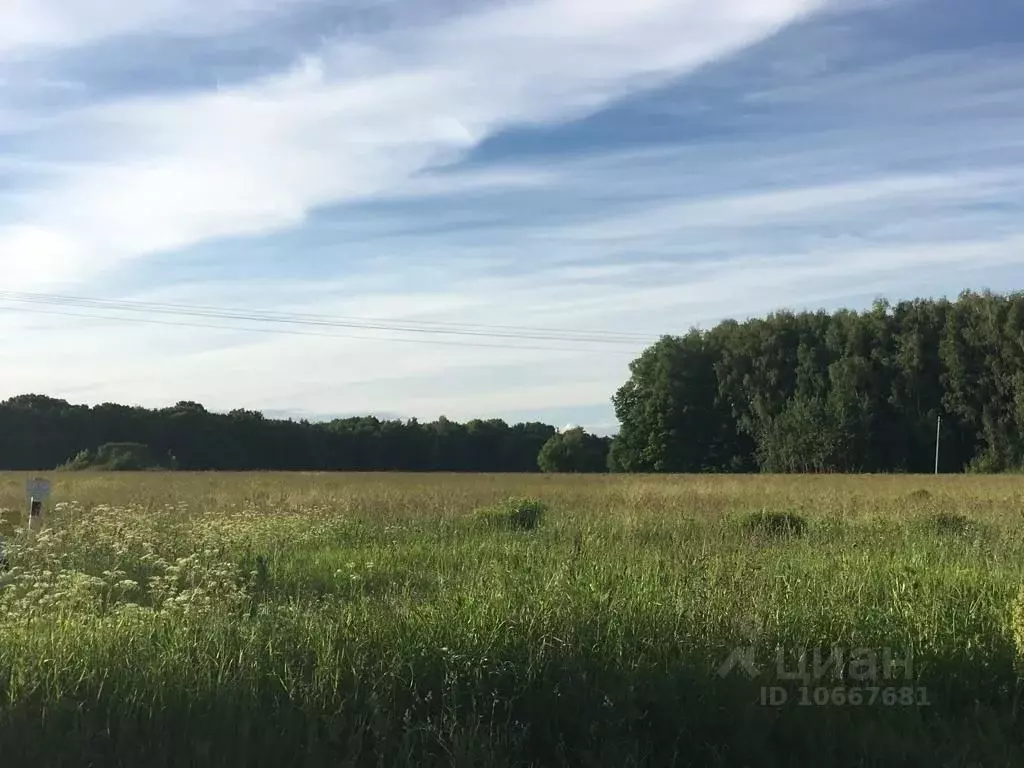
[{"x": 372, "y": 620}]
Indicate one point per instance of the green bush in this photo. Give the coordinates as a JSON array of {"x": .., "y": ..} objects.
[
  {"x": 774, "y": 524},
  {"x": 119, "y": 457},
  {"x": 574, "y": 451},
  {"x": 513, "y": 514}
]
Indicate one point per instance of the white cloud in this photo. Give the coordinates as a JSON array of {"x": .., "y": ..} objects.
[
  {"x": 793, "y": 204},
  {"x": 155, "y": 365},
  {"x": 167, "y": 172},
  {"x": 26, "y": 26},
  {"x": 29, "y": 253}
]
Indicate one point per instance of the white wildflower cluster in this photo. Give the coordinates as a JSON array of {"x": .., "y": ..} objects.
[
  {"x": 108, "y": 559},
  {"x": 198, "y": 582},
  {"x": 32, "y": 592}
]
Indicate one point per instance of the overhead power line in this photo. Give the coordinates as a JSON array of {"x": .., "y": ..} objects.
[
  {"x": 292, "y": 332},
  {"x": 290, "y": 318}
]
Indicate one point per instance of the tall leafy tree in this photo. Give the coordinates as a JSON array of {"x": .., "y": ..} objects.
[
  {"x": 671, "y": 419},
  {"x": 847, "y": 391},
  {"x": 574, "y": 450}
]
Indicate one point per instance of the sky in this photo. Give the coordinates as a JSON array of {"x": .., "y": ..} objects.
[{"x": 426, "y": 182}]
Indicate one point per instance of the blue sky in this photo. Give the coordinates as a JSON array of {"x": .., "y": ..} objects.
[{"x": 588, "y": 165}]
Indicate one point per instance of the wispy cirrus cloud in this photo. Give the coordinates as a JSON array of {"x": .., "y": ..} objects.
[
  {"x": 31, "y": 27},
  {"x": 154, "y": 174}
]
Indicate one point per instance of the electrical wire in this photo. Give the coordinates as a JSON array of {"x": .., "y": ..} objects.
[
  {"x": 310, "y": 333},
  {"x": 370, "y": 324}
]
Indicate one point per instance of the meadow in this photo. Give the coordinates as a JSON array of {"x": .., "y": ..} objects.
[{"x": 380, "y": 619}]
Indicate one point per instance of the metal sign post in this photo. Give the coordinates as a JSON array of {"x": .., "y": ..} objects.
[{"x": 38, "y": 491}]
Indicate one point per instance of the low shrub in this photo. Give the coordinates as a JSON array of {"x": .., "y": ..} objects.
[
  {"x": 114, "y": 457},
  {"x": 513, "y": 514}
]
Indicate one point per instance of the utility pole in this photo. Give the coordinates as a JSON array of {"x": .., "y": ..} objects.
[{"x": 938, "y": 437}]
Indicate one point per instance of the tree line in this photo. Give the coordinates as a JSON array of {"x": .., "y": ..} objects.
[
  {"x": 38, "y": 432},
  {"x": 833, "y": 392},
  {"x": 845, "y": 391}
]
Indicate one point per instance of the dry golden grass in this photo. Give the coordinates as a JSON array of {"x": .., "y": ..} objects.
[{"x": 993, "y": 499}]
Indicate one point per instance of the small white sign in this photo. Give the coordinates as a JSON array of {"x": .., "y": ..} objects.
[{"x": 37, "y": 488}]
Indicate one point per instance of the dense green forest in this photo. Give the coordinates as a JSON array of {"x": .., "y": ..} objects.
[
  {"x": 844, "y": 392},
  {"x": 793, "y": 392},
  {"x": 38, "y": 432}
]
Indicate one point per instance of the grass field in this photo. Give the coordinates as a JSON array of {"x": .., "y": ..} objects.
[{"x": 270, "y": 619}]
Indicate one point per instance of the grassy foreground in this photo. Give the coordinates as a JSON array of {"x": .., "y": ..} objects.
[{"x": 243, "y": 620}]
